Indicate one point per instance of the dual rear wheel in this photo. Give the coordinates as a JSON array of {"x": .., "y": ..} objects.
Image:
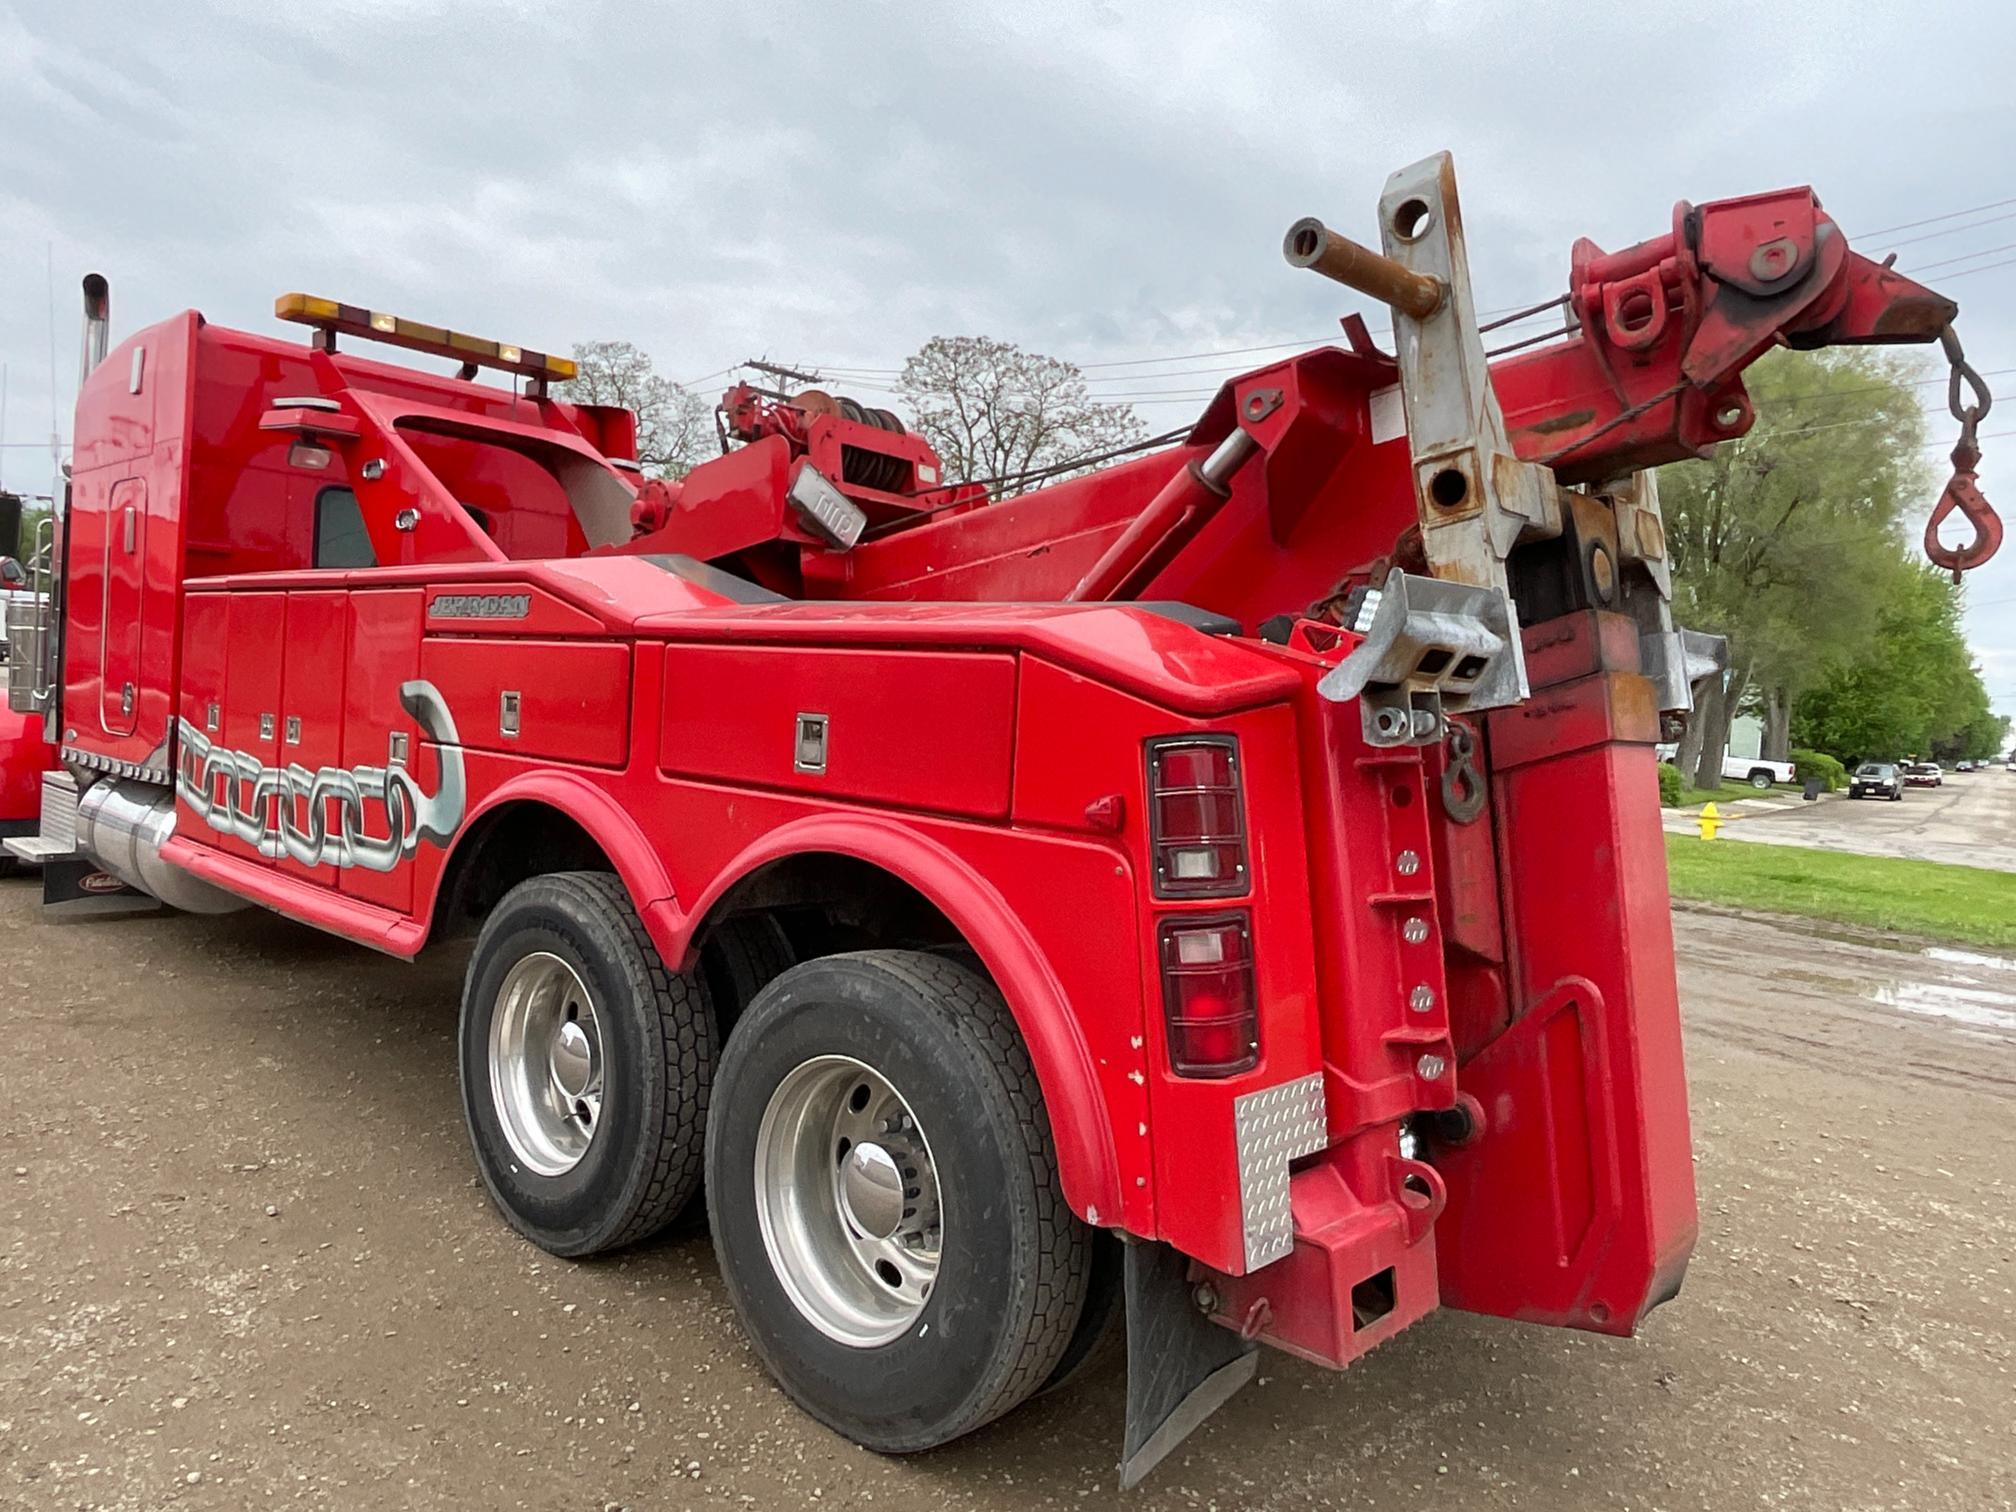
[{"x": 878, "y": 1169}]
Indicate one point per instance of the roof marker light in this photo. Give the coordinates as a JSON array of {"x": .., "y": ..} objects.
[{"x": 332, "y": 318}]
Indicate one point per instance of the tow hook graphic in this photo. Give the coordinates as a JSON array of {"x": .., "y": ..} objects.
[{"x": 234, "y": 791}]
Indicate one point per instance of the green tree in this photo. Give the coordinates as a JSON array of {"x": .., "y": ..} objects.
[
  {"x": 1911, "y": 688},
  {"x": 1784, "y": 539}
]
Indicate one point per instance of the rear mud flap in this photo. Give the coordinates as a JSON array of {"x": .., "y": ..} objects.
[
  {"x": 74, "y": 887},
  {"x": 1181, "y": 1367}
]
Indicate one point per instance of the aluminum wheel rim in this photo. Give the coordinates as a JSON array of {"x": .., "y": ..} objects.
[
  {"x": 546, "y": 1069},
  {"x": 847, "y": 1198}
]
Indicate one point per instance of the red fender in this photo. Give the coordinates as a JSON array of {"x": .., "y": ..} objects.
[
  {"x": 1078, "y": 1117},
  {"x": 609, "y": 825}
]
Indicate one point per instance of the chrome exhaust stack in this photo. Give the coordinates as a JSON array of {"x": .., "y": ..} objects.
[{"x": 97, "y": 324}]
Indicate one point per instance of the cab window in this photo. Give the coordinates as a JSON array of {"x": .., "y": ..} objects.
[{"x": 340, "y": 537}]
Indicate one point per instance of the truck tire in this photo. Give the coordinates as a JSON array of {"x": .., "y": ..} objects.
[
  {"x": 884, "y": 1199},
  {"x": 1760, "y": 780},
  {"x": 586, "y": 1065},
  {"x": 740, "y": 957},
  {"x": 1101, "y": 1334}
]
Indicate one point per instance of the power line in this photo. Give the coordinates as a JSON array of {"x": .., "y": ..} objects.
[
  {"x": 1266, "y": 346},
  {"x": 1086, "y": 459},
  {"x": 1931, "y": 220},
  {"x": 867, "y": 376},
  {"x": 1964, "y": 257},
  {"x": 717, "y": 373},
  {"x": 1912, "y": 241},
  {"x": 1807, "y": 430},
  {"x": 1984, "y": 268},
  {"x": 1272, "y": 346}
]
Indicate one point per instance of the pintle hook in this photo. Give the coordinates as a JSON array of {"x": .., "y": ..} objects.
[{"x": 1962, "y": 491}]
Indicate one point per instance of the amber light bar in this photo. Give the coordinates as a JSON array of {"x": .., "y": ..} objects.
[{"x": 332, "y": 317}]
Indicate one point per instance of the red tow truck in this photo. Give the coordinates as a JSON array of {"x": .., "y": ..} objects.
[{"x": 1214, "y": 900}]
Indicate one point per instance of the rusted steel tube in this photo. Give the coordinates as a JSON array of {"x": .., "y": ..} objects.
[{"x": 1311, "y": 244}]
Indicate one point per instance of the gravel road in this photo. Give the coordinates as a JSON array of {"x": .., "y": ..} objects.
[{"x": 244, "y": 1262}]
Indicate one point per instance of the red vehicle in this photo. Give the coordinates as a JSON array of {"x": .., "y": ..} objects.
[
  {"x": 1218, "y": 898},
  {"x": 24, "y": 757},
  {"x": 25, "y": 752}
]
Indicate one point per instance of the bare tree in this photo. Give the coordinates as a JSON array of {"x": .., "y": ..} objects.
[
  {"x": 675, "y": 427},
  {"x": 993, "y": 410}
]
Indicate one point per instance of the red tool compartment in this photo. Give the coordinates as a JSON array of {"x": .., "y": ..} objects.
[
  {"x": 931, "y": 730},
  {"x": 566, "y": 701},
  {"x": 377, "y": 730},
  {"x": 317, "y": 664}
]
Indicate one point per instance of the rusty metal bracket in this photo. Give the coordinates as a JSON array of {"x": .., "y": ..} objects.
[{"x": 1474, "y": 497}]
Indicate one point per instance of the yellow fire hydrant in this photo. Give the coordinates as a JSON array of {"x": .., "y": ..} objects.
[{"x": 1711, "y": 821}]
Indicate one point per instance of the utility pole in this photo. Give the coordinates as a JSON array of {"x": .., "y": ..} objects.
[{"x": 785, "y": 374}]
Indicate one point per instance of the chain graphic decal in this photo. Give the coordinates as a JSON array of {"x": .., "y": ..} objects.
[{"x": 234, "y": 792}]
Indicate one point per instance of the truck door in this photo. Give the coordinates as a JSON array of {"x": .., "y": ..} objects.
[
  {"x": 384, "y": 653},
  {"x": 314, "y": 663},
  {"x": 119, "y": 650}
]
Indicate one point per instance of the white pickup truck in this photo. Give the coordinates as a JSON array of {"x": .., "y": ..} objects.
[{"x": 1756, "y": 771}]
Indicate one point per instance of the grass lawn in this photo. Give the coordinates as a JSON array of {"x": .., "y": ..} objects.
[
  {"x": 1693, "y": 797},
  {"x": 1966, "y": 904}
]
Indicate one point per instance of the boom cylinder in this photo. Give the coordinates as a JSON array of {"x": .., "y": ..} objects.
[
  {"x": 1311, "y": 244},
  {"x": 1168, "y": 524}
]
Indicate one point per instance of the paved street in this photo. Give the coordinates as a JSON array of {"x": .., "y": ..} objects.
[
  {"x": 244, "y": 1262},
  {"x": 1971, "y": 821}
]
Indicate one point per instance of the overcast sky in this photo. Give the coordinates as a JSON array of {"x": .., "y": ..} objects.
[{"x": 832, "y": 184}]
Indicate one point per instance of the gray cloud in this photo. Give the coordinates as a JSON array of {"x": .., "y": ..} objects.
[{"x": 834, "y": 184}]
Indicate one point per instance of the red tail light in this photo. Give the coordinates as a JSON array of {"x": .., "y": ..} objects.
[
  {"x": 1196, "y": 817},
  {"x": 1207, "y": 994}
]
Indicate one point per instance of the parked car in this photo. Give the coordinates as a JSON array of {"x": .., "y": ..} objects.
[
  {"x": 1756, "y": 771},
  {"x": 1924, "y": 774},
  {"x": 1876, "y": 779},
  {"x": 1760, "y": 774}
]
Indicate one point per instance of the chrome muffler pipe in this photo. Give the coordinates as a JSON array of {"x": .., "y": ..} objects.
[{"x": 122, "y": 825}]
